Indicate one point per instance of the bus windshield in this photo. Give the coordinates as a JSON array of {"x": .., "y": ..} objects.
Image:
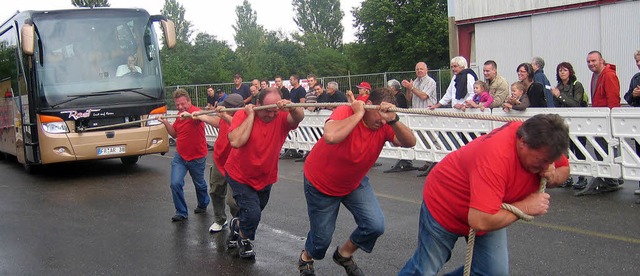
[{"x": 105, "y": 58}]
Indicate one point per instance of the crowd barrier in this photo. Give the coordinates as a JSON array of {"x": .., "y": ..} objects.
[{"x": 604, "y": 142}]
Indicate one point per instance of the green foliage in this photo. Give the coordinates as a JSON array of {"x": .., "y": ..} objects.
[
  {"x": 90, "y": 3},
  {"x": 394, "y": 35},
  {"x": 249, "y": 39},
  {"x": 175, "y": 12},
  {"x": 319, "y": 21}
]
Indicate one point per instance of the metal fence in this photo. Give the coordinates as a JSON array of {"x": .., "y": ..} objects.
[{"x": 198, "y": 92}]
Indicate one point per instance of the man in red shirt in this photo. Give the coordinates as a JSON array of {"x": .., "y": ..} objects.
[
  {"x": 221, "y": 149},
  {"x": 466, "y": 189},
  {"x": 252, "y": 166},
  {"x": 191, "y": 155},
  {"x": 335, "y": 173}
]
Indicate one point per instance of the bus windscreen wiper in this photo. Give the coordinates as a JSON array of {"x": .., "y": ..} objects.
[{"x": 75, "y": 97}]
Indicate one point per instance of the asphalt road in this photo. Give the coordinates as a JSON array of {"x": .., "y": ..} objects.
[{"x": 105, "y": 218}]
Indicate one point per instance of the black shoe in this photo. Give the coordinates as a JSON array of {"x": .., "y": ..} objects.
[
  {"x": 599, "y": 185},
  {"x": 305, "y": 267},
  {"x": 199, "y": 210},
  {"x": 567, "y": 183},
  {"x": 178, "y": 218},
  {"x": 349, "y": 264},
  {"x": 425, "y": 166},
  {"x": 303, "y": 158},
  {"x": 581, "y": 184},
  {"x": 426, "y": 172},
  {"x": 245, "y": 249},
  {"x": 401, "y": 166},
  {"x": 232, "y": 241}
]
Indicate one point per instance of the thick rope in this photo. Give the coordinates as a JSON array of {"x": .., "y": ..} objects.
[
  {"x": 506, "y": 206},
  {"x": 419, "y": 111}
]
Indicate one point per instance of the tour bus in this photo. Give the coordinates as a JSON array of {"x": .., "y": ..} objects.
[{"x": 82, "y": 84}]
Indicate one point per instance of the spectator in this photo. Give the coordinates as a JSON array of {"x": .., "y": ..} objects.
[
  {"x": 467, "y": 188},
  {"x": 421, "y": 92},
  {"x": 218, "y": 185},
  {"x": 633, "y": 98},
  {"x": 221, "y": 96},
  {"x": 332, "y": 95},
  {"x": 461, "y": 86},
  {"x": 327, "y": 184},
  {"x": 252, "y": 165},
  {"x": 401, "y": 102},
  {"x": 212, "y": 98},
  {"x": 498, "y": 85},
  {"x": 297, "y": 93},
  {"x": 241, "y": 88},
  {"x": 284, "y": 92},
  {"x": 312, "y": 95},
  {"x": 518, "y": 99},
  {"x": 533, "y": 90},
  {"x": 481, "y": 98},
  {"x": 364, "y": 88},
  {"x": 605, "y": 92},
  {"x": 538, "y": 76},
  {"x": 264, "y": 84},
  {"x": 191, "y": 156},
  {"x": 254, "y": 93},
  {"x": 569, "y": 92},
  {"x": 312, "y": 81},
  {"x": 256, "y": 83}
]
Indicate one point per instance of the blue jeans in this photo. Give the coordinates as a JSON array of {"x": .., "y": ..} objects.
[
  {"x": 490, "y": 254},
  {"x": 250, "y": 203},
  {"x": 179, "y": 168},
  {"x": 323, "y": 211}
]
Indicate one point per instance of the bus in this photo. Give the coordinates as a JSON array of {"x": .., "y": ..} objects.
[{"x": 82, "y": 84}]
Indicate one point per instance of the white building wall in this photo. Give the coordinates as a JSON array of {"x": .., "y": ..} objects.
[
  {"x": 470, "y": 9},
  {"x": 614, "y": 30}
]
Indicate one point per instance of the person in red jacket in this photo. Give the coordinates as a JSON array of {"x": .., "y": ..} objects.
[{"x": 605, "y": 92}]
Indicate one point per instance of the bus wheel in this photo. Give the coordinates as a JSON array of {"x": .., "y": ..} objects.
[{"x": 129, "y": 160}]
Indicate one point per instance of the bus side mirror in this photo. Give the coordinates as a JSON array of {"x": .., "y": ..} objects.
[
  {"x": 28, "y": 41},
  {"x": 169, "y": 33}
]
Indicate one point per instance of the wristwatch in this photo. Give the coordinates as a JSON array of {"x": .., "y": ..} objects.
[{"x": 395, "y": 120}]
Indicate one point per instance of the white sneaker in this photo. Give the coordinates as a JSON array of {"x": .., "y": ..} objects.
[
  {"x": 215, "y": 227},
  {"x": 637, "y": 192}
]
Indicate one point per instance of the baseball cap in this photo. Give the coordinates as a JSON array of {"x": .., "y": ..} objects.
[
  {"x": 218, "y": 90},
  {"x": 232, "y": 101},
  {"x": 364, "y": 85}
]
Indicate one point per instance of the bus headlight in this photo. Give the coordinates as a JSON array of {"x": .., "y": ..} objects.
[
  {"x": 55, "y": 127},
  {"x": 153, "y": 122}
]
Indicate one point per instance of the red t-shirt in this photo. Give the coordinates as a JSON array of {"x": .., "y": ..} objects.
[
  {"x": 481, "y": 175},
  {"x": 222, "y": 147},
  {"x": 337, "y": 169},
  {"x": 256, "y": 163},
  {"x": 191, "y": 142}
]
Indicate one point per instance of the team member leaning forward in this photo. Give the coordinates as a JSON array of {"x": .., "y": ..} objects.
[
  {"x": 466, "y": 189},
  {"x": 221, "y": 149},
  {"x": 353, "y": 138},
  {"x": 252, "y": 166}
]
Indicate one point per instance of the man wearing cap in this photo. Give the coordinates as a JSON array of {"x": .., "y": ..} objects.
[
  {"x": 217, "y": 183},
  {"x": 364, "y": 88},
  {"x": 241, "y": 88},
  {"x": 221, "y": 96},
  {"x": 190, "y": 156}
]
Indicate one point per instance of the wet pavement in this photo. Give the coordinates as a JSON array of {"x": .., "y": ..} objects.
[{"x": 106, "y": 218}]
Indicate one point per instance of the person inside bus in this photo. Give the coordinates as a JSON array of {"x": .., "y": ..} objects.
[{"x": 129, "y": 68}]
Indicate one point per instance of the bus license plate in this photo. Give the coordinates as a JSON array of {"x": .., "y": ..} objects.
[{"x": 111, "y": 150}]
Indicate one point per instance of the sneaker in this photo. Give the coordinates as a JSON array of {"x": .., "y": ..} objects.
[
  {"x": 581, "y": 184},
  {"x": 216, "y": 227},
  {"x": 199, "y": 210},
  {"x": 349, "y": 264},
  {"x": 567, "y": 183},
  {"x": 402, "y": 166},
  {"x": 305, "y": 267},
  {"x": 232, "y": 241},
  {"x": 636, "y": 192},
  {"x": 178, "y": 218},
  {"x": 245, "y": 249}
]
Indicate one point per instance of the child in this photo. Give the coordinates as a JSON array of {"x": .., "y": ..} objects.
[
  {"x": 518, "y": 99},
  {"x": 482, "y": 98}
]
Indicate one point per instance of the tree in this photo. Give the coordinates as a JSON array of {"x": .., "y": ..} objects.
[
  {"x": 90, "y": 3},
  {"x": 319, "y": 20},
  {"x": 249, "y": 38},
  {"x": 394, "y": 35},
  {"x": 175, "y": 12}
]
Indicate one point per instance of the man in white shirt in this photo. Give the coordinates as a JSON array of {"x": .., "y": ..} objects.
[{"x": 128, "y": 68}]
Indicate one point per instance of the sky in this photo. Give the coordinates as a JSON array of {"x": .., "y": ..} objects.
[{"x": 214, "y": 17}]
